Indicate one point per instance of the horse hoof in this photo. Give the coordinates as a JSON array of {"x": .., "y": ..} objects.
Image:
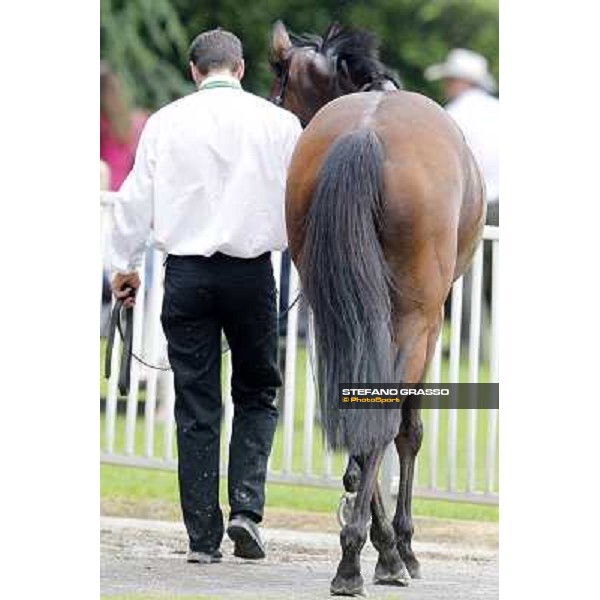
[
  {"x": 414, "y": 570},
  {"x": 352, "y": 586},
  {"x": 413, "y": 566},
  {"x": 386, "y": 576}
]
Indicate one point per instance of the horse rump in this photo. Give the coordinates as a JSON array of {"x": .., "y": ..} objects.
[{"x": 347, "y": 283}]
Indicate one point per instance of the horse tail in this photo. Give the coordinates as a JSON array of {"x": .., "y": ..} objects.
[{"x": 347, "y": 283}]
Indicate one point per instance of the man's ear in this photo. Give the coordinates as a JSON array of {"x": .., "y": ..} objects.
[
  {"x": 240, "y": 70},
  {"x": 194, "y": 73},
  {"x": 280, "y": 41}
]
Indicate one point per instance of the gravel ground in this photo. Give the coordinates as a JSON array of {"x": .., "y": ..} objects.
[
  {"x": 148, "y": 557},
  {"x": 427, "y": 529}
]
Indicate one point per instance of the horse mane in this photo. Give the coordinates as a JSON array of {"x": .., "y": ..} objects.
[{"x": 353, "y": 54}]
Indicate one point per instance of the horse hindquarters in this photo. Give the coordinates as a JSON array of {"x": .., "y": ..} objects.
[{"x": 347, "y": 283}]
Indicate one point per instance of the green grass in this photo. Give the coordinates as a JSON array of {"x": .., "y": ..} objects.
[
  {"x": 131, "y": 485},
  {"x": 147, "y": 484}
]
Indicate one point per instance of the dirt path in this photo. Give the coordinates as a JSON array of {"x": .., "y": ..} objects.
[
  {"x": 149, "y": 557},
  {"x": 472, "y": 533}
]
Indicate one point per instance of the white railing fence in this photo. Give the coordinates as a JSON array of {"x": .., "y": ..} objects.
[{"x": 458, "y": 460}]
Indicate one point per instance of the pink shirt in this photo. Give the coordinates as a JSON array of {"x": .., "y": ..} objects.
[{"x": 118, "y": 155}]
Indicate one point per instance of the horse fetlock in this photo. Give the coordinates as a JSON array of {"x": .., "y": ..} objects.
[
  {"x": 383, "y": 536},
  {"x": 403, "y": 527},
  {"x": 353, "y": 537}
]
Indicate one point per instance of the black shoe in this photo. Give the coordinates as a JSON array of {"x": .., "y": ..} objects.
[
  {"x": 204, "y": 558},
  {"x": 246, "y": 538}
]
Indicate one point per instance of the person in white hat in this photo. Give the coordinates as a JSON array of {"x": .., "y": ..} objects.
[{"x": 468, "y": 87}]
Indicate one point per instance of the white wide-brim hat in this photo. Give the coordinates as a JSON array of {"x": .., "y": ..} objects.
[{"x": 463, "y": 64}]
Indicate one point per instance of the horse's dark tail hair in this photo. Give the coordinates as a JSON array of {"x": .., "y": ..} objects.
[{"x": 348, "y": 285}]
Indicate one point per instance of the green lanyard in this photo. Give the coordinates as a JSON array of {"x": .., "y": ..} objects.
[{"x": 220, "y": 84}]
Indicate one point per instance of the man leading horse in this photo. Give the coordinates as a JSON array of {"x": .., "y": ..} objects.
[{"x": 208, "y": 181}]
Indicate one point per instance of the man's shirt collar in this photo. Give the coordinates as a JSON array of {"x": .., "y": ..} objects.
[{"x": 219, "y": 81}]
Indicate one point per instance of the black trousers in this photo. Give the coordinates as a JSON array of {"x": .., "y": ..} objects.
[
  {"x": 203, "y": 298},
  {"x": 493, "y": 213}
]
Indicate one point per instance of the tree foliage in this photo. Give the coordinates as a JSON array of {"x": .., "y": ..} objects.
[{"x": 146, "y": 40}]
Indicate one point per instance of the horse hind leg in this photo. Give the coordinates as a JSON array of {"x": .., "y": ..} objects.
[
  {"x": 348, "y": 580},
  {"x": 408, "y": 443},
  {"x": 389, "y": 569}
]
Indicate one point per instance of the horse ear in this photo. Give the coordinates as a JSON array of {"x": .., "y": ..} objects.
[
  {"x": 280, "y": 41},
  {"x": 333, "y": 29}
]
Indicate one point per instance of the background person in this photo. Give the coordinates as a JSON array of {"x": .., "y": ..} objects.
[
  {"x": 209, "y": 179},
  {"x": 468, "y": 85},
  {"x": 120, "y": 130},
  {"x": 106, "y": 293},
  {"x": 120, "y": 127}
]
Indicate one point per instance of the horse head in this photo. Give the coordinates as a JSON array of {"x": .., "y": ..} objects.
[{"x": 311, "y": 70}]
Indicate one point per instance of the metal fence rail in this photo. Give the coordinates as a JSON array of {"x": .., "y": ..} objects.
[{"x": 139, "y": 430}]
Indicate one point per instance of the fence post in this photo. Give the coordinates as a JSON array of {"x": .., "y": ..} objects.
[
  {"x": 454, "y": 376},
  {"x": 290, "y": 373},
  {"x": 154, "y": 346},
  {"x": 474, "y": 337},
  {"x": 435, "y": 376},
  {"x": 490, "y": 463},
  {"x": 309, "y": 398}
]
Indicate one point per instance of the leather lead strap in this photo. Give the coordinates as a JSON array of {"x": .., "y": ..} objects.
[
  {"x": 127, "y": 337},
  {"x": 127, "y": 351}
]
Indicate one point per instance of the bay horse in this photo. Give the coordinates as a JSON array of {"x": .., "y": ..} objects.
[{"x": 384, "y": 210}]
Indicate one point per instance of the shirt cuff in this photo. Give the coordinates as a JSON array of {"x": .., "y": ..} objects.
[{"x": 120, "y": 265}]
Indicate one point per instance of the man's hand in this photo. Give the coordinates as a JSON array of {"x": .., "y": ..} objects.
[{"x": 123, "y": 284}]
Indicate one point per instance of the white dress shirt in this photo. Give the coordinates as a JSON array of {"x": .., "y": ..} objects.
[
  {"x": 209, "y": 176},
  {"x": 478, "y": 115}
]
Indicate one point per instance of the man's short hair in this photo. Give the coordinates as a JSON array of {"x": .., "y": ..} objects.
[{"x": 216, "y": 49}]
